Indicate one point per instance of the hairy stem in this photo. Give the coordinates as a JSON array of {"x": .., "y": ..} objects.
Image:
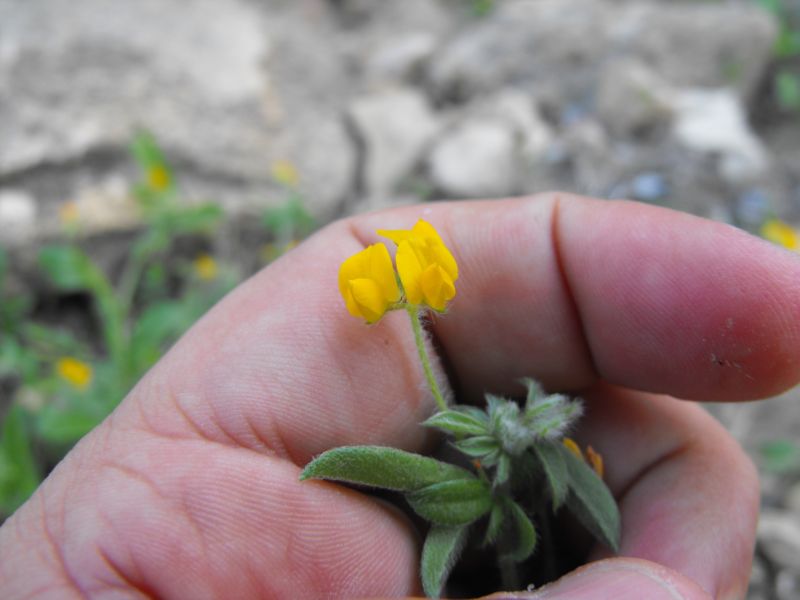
[{"x": 416, "y": 325}]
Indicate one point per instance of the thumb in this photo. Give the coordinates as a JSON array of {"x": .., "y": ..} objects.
[{"x": 617, "y": 579}]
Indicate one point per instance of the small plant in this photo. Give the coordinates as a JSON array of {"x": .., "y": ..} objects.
[
  {"x": 518, "y": 465},
  {"x": 64, "y": 386},
  {"x": 786, "y": 82}
]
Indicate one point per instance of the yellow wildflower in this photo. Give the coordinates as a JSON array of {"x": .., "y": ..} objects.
[
  {"x": 285, "y": 173},
  {"x": 69, "y": 213},
  {"x": 205, "y": 267},
  {"x": 367, "y": 283},
  {"x": 75, "y": 372},
  {"x": 427, "y": 269},
  {"x": 158, "y": 178},
  {"x": 781, "y": 233},
  {"x": 573, "y": 447}
]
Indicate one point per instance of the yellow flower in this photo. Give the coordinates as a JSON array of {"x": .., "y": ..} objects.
[
  {"x": 205, "y": 267},
  {"x": 285, "y": 173},
  {"x": 158, "y": 178},
  {"x": 75, "y": 372},
  {"x": 427, "y": 269},
  {"x": 69, "y": 213},
  {"x": 367, "y": 283},
  {"x": 780, "y": 233}
]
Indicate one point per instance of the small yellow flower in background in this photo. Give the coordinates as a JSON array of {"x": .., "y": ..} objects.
[
  {"x": 570, "y": 444},
  {"x": 205, "y": 267},
  {"x": 368, "y": 284},
  {"x": 68, "y": 213},
  {"x": 75, "y": 372},
  {"x": 158, "y": 178},
  {"x": 285, "y": 173},
  {"x": 427, "y": 269},
  {"x": 781, "y": 233}
]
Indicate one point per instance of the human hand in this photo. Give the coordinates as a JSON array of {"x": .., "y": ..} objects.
[{"x": 190, "y": 488}]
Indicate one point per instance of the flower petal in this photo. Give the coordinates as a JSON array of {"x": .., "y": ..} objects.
[
  {"x": 367, "y": 299},
  {"x": 410, "y": 268}
]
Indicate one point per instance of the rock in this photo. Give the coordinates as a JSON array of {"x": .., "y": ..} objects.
[
  {"x": 17, "y": 215},
  {"x": 714, "y": 121},
  {"x": 752, "y": 207},
  {"x": 108, "y": 206},
  {"x": 632, "y": 99},
  {"x": 779, "y": 535},
  {"x": 477, "y": 159},
  {"x": 697, "y": 44},
  {"x": 649, "y": 187},
  {"x": 523, "y": 44},
  {"x": 520, "y": 112},
  {"x": 401, "y": 59},
  {"x": 556, "y": 48},
  {"x": 394, "y": 128}
]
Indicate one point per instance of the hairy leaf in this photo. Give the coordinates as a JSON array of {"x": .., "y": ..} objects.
[
  {"x": 443, "y": 547},
  {"x": 555, "y": 470},
  {"x": 591, "y": 502},
  {"x": 477, "y": 446},
  {"x": 382, "y": 467},
  {"x": 457, "y": 422},
  {"x": 496, "y": 519},
  {"x": 503, "y": 469},
  {"x": 456, "y": 502},
  {"x": 524, "y": 531}
]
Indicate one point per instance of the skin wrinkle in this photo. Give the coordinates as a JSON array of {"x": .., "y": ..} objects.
[
  {"x": 568, "y": 293},
  {"x": 55, "y": 547}
]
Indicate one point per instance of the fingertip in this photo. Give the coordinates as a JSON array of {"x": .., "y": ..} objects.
[{"x": 617, "y": 579}]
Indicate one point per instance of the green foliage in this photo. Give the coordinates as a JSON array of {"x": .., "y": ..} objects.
[
  {"x": 554, "y": 466},
  {"x": 443, "y": 546},
  {"x": 591, "y": 502},
  {"x": 151, "y": 300},
  {"x": 780, "y": 456},
  {"x": 454, "y": 502},
  {"x": 381, "y": 466},
  {"x": 521, "y": 469},
  {"x": 786, "y": 83},
  {"x": 19, "y": 474},
  {"x": 787, "y": 90}
]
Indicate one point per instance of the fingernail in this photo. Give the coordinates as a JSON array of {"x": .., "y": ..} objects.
[{"x": 617, "y": 579}]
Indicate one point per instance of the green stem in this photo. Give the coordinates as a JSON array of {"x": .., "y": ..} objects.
[{"x": 416, "y": 325}]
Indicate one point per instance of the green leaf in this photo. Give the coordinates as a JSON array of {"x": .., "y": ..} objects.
[
  {"x": 65, "y": 426},
  {"x": 456, "y": 502},
  {"x": 787, "y": 89},
  {"x": 382, "y": 467},
  {"x": 555, "y": 470},
  {"x": 780, "y": 456},
  {"x": 68, "y": 268},
  {"x": 19, "y": 475},
  {"x": 477, "y": 446},
  {"x": 590, "y": 501},
  {"x": 195, "y": 219},
  {"x": 458, "y": 422},
  {"x": 503, "y": 469},
  {"x": 157, "y": 326},
  {"x": 442, "y": 549},
  {"x": 496, "y": 520},
  {"x": 525, "y": 533},
  {"x": 3, "y": 266}
]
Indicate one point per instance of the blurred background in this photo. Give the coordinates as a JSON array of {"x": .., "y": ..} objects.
[{"x": 154, "y": 153}]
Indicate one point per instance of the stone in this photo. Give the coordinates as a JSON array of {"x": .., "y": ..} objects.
[
  {"x": 394, "y": 128},
  {"x": 401, "y": 59},
  {"x": 710, "y": 44},
  {"x": 713, "y": 121},
  {"x": 632, "y": 99},
  {"x": 476, "y": 159},
  {"x": 17, "y": 215},
  {"x": 520, "y": 112},
  {"x": 779, "y": 536}
]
